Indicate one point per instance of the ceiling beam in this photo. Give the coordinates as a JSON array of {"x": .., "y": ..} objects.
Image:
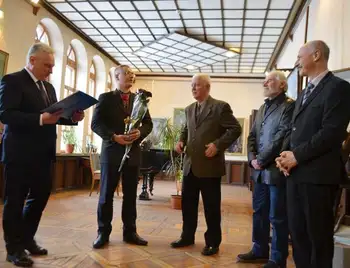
[
  {"x": 298, "y": 9},
  {"x": 77, "y": 31}
]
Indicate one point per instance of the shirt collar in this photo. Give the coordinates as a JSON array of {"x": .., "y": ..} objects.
[
  {"x": 31, "y": 75},
  {"x": 202, "y": 104},
  {"x": 318, "y": 78},
  {"x": 277, "y": 99}
]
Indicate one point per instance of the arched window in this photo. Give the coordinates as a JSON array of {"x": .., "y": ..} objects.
[
  {"x": 92, "y": 92},
  {"x": 41, "y": 34},
  {"x": 70, "y": 86},
  {"x": 109, "y": 82}
]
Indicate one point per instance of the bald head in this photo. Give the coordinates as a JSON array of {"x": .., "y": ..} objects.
[
  {"x": 319, "y": 46},
  {"x": 313, "y": 58}
]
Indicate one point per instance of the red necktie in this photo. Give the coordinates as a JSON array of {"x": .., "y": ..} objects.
[{"x": 125, "y": 98}]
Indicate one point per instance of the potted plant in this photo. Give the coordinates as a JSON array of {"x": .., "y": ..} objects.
[
  {"x": 70, "y": 139},
  {"x": 169, "y": 136}
]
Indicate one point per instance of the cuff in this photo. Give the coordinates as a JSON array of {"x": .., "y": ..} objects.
[{"x": 41, "y": 120}]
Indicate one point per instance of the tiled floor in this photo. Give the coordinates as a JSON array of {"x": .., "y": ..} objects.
[{"x": 68, "y": 228}]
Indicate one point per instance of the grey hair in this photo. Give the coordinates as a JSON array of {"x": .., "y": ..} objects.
[
  {"x": 204, "y": 77},
  {"x": 281, "y": 77},
  {"x": 37, "y": 48}
]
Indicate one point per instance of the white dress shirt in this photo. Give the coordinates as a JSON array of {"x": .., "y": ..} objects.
[{"x": 318, "y": 79}]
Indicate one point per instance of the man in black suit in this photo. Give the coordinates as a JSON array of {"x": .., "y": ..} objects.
[
  {"x": 209, "y": 130},
  {"x": 28, "y": 150},
  {"x": 269, "y": 198},
  {"x": 312, "y": 157},
  {"x": 108, "y": 123}
]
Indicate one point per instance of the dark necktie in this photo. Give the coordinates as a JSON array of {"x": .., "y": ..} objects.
[
  {"x": 198, "y": 111},
  {"x": 43, "y": 92},
  {"x": 307, "y": 92}
]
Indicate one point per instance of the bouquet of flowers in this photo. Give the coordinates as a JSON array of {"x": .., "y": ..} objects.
[{"x": 139, "y": 110}]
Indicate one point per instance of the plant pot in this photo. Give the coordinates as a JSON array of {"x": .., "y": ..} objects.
[
  {"x": 69, "y": 148},
  {"x": 176, "y": 201}
]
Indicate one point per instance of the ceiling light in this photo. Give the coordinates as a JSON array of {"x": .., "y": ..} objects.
[
  {"x": 189, "y": 67},
  {"x": 230, "y": 54},
  {"x": 35, "y": 1},
  {"x": 1, "y": 14}
]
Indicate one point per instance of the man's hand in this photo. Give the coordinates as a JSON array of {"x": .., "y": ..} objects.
[
  {"x": 286, "y": 162},
  {"x": 211, "y": 150},
  {"x": 133, "y": 135},
  {"x": 121, "y": 139},
  {"x": 255, "y": 164},
  {"x": 78, "y": 116},
  {"x": 50, "y": 119},
  {"x": 179, "y": 148}
]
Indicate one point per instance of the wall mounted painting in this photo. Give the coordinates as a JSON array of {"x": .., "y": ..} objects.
[
  {"x": 3, "y": 63},
  {"x": 179, "y": 118},
  {"x": 238, "y": 147},
  {"x": 294, "y": 84},
  {"x": 154, "y": 137},
  {"x": 343, "y": 74}
]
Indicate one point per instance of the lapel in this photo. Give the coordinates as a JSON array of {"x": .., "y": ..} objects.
[
  {"x": 270, "y": 110},
  {"x": 131, "y": 103},
  {"x": 192, "y": 114},
  {"x": 299, "y": 107},
  {"x": 34, "y": 91},
  {"x": 51, "y": 94},
  {"x": 205, "y": 112}
]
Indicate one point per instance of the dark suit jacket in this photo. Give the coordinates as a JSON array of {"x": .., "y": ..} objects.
[
  {"x": 216, "y": 124},
  {"x": 266, "y": 138},
  {"x": 108, "y": 119},
  {"x": 24, "y": 140},
  {"x": 317, "y": 131}
]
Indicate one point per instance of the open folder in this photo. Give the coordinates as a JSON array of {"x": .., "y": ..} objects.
[{"x": 75, "y": 102}]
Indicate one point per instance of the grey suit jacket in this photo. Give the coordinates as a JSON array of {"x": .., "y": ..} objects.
[
  {"x": 216, "y": 124},
  {"x": 266, "y": 138}
]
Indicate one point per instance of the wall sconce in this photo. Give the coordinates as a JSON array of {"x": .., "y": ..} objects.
[
  {"x": 1, "y": 14},
  {"x": 35, "y": 5}
]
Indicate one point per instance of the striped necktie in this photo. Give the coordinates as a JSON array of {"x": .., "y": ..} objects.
[
  {"x": 43, "y": 93},
  {"x": 307, "y": 92}
]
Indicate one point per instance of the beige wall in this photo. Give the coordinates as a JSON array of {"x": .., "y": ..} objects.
[
  {"x": 169, "y": 93},
  {"x": 329, "y": 21}
]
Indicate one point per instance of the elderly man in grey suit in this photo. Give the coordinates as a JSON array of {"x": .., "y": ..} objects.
[
  {"x": 269, "y": 196},
  {"x": 210, "y": 129}
]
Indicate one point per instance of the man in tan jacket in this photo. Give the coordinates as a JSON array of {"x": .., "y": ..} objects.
[{"x": 210, "y": 129}]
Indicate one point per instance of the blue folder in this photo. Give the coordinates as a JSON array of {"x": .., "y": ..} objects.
[{"x": 75, "y": 102}]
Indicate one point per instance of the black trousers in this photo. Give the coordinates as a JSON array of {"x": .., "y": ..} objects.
[
  {"x": 30, "y": 183},
  {"x": 311, "y": 223},
  {"x": 210, "y": 189},
  {"x": 109, "y": 180}
]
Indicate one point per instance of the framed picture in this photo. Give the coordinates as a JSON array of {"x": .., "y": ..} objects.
[
  {"x": 238, "y": 147},
  {"x": 343, "y": 73},
  {"x": 179, "y": 118},
  {"x": 4, "y": 56},
  {"x": 154, "y": 136},
  {"x": 294, "y": 84}
]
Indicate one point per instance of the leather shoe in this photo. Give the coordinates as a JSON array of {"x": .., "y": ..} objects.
[
  {"x": 208, "y": 251},
  {"x": 100, "y": 241},
  {"x": 20, "y": 259},
  {"x": 272, "y": 264},
  {"x": 250, "y": 257},
  {"x": 35, "y": 249},
  {"x": 181, "y": 243},
  {"x": 135, "y": 239}
]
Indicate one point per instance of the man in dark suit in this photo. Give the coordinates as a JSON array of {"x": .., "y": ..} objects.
[
  {"x": 312, "y": 157},
  {"x": 210, "y": 128},
  {"x": 108, "y": 123},
  {"x": 28, "y": 150},
  {"x": 269, "y": 197}
]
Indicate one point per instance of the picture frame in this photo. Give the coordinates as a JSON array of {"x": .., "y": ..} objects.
[
  {"x": 239, "y": 146},
  {"x": 343, "y": 73},
  {"x": 179, "y": 118},
  {"x": 154, "y": 136},
  {"x": 294, "y": 82},
  {"x": 4, "y": 56}
]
